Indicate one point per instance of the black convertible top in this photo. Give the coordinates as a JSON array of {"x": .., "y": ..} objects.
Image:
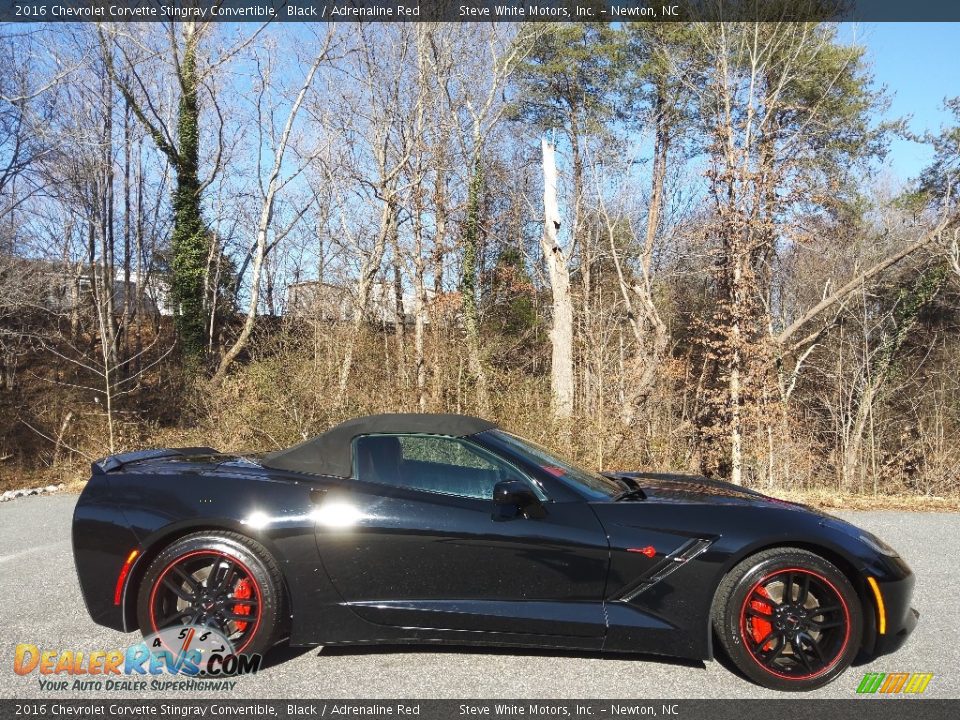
[{"x": 331, "y": 452}]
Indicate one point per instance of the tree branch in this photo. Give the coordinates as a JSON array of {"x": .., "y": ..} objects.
[{"x": 856, "y": 282}]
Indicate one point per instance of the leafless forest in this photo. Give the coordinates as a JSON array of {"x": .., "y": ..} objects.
[{"x": 660, "y": 247}]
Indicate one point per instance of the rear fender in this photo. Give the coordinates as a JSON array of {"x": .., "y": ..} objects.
[{"x": 146, "y": 511}]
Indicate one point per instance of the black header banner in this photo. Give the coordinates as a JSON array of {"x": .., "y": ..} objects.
[
  {"x": 387, "y": 709},
  {"x": 476, "y": 10}
]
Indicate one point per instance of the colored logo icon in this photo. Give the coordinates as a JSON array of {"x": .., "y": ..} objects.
[{"x": 894, "y": 683}]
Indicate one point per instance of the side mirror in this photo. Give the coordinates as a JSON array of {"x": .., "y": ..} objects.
[{"x": 512, "y": 498}]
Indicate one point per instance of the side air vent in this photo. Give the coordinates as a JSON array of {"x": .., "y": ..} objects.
[{"x": 670, "y": 564}]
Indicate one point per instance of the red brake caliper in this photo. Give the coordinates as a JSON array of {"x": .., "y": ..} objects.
[
  {"x": 759, "y": 626},
  {"x": 242, "y": 591}
]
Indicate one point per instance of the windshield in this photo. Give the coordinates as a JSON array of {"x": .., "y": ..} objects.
[{"x": 592, "y": 484}]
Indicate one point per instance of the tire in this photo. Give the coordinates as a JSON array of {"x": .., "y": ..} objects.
[
  {"x": 792, "y": 645},
  {"x": 236, "y": 577}
]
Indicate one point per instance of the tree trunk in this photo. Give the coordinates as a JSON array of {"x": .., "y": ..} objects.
[
  {"x": 420, "y": 310},
  {"x": 420, "y": 294},
  {"x": 561, "y": 333},
  {"x": 649, "y": 331},
  {"x": 369, "y": 269},
  {"x": 468, "y": 288},
  {"x": 400, "y": 316},
  {"x": 189, "y": 239},
  {"x": 735, "y": 369}
]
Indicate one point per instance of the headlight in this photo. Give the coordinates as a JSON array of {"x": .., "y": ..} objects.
[{"x": 875, "y": 543}]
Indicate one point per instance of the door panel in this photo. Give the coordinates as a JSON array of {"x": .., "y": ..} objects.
[{"x": 422, "y": 559}]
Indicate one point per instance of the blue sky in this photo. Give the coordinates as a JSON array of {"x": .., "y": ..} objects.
[{"x": 920, "y": 65}]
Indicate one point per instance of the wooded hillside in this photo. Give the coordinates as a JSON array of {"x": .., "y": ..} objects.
[{"x": 646, "y": 246}]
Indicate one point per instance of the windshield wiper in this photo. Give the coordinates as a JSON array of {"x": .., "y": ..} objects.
[
  {"x": 632, "y": 493},
  {"x": 632, "y": 490}
]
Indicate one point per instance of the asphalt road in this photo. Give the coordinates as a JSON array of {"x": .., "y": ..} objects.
[{"x": 40, "y": 603}]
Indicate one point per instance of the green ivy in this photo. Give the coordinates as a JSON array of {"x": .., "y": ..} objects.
[{"x": 190, "y": 241}]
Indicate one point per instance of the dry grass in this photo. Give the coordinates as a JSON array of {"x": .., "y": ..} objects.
[
  {"x": 73, "y": 476},
  {"x": 829, "y": 501}
]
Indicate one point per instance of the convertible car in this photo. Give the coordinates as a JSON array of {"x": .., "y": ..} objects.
[{"x": 446, "y": 529}]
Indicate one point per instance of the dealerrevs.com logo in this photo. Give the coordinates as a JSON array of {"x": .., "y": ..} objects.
[
  {"x": 200, "y": 654},
  {"x": 894, "y": 683}
]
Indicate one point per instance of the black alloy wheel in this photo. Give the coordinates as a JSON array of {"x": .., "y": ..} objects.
[
  {"x": 788, "y": 619},
  {"x": 217, "y": 579}
]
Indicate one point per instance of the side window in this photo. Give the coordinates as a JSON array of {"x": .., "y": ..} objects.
[{"x": 429, "y": 462}]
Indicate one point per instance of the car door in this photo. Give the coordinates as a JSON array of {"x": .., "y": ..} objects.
[{"x": 413, "y": 541}]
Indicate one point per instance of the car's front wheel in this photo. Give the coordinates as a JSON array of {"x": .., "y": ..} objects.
[
  {"x": 788, "y": 619},
  {"x": 217, "y": 579}
]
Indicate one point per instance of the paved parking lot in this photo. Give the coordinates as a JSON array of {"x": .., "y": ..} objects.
[{"x": 40, "y": 603}]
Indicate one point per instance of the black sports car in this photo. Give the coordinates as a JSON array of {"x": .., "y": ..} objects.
[{"x": 444, "y": 528}]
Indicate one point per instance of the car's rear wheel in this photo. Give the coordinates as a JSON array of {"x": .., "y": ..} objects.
[
  {"x": 788, "y": 619},
  {"x": 216, "y": 579}
]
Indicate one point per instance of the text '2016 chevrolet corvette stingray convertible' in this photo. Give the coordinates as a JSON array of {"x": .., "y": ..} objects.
[{"x": 444, "y": 528}]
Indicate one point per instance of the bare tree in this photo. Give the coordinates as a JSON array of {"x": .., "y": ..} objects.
[
  {"x": 274, "y": 184},
  {"x": 632, "y": 252},
  {"x": 473, "y": 86},
  {"x": 135, "y": 58},
  {"x": 371, "y": 157}
]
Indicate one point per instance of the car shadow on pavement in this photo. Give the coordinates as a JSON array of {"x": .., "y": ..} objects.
[
  {"x": 357, "y": 650},
  {"x": 720, "y": 655},
  {"x": 282, "y": 653}
]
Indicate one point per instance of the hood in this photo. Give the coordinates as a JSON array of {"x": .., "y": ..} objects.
[{"x": 696, "y": 489}]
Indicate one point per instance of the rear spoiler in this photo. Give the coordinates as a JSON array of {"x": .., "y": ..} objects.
[{"x": 116, "y": 462}]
